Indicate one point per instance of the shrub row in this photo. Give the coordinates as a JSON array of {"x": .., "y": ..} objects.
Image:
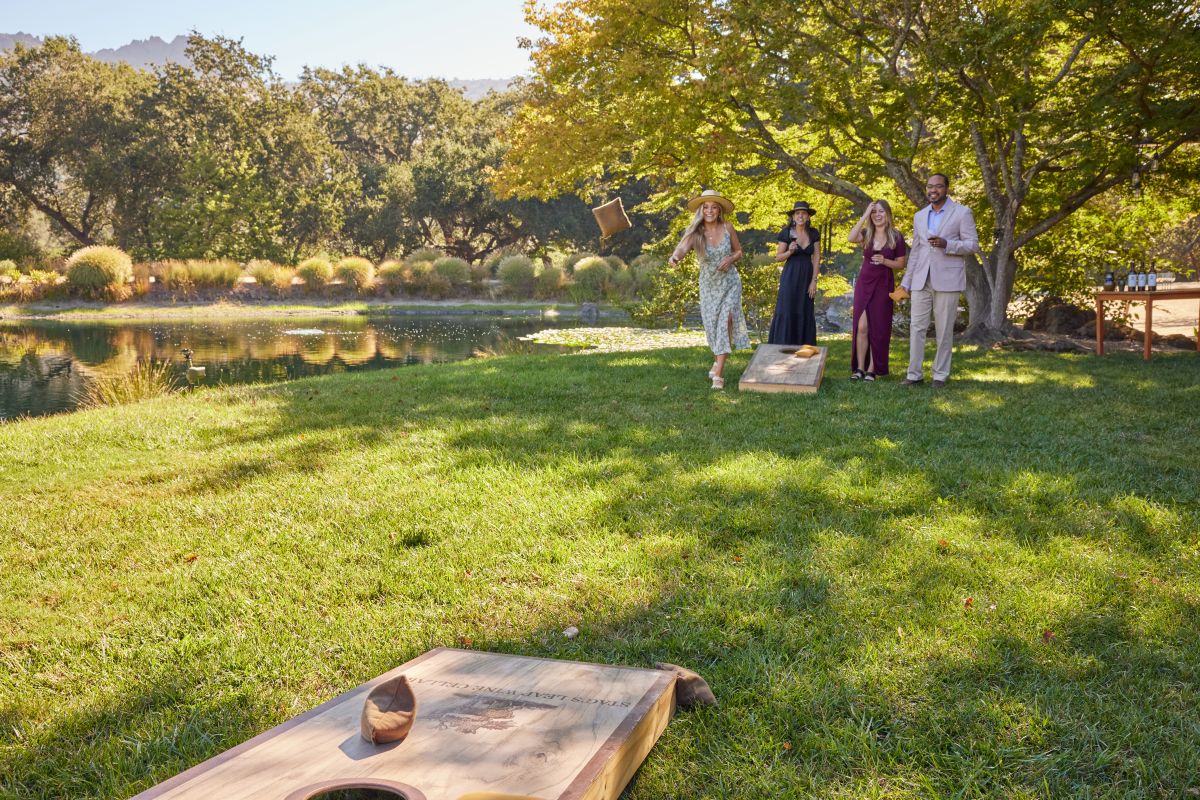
[{"x": 102, "y": 271}]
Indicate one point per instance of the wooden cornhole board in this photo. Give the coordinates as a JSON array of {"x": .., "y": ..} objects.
[
  {"x": 775, "y": 368},
  {"x": 558, "y": 730}
]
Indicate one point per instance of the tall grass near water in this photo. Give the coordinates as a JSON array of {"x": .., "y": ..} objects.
[{"x": 147, "y": 380}]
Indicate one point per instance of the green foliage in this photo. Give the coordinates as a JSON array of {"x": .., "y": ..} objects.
[
  {"x": 549, "y": 281},
  {"x": 99, "y": 268},
  {"x": 673, "y": 293},
  {"x": 357, "y": 273},
  {"x": 591, "y": 276},
  {"x": 619, "y": 286},
  {"x": 644, "y": 268},
  {"x": 8, "y": 267},
  {"x": 455, "y": 270},
  {"x": 315, "y": 272},
  {"x": 1032, "y": 108},
  {"x": 571, "y": 260},
  {"x": 616, "y": 263},
  {"x": 517, "y": 275},
  {"x": 147, "y": 380}
]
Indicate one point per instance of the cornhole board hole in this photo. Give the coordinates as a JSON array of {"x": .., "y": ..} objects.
[
  {"x": 775, "y": 368},
  {"x": 513, "y": 725}
]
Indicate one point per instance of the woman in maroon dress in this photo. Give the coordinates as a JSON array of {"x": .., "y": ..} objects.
[{"x": 884, "y": 252}]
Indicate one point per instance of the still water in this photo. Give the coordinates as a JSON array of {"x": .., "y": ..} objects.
[{"x": 44, "y": 366}]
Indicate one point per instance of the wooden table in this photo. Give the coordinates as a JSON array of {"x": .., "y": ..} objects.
[{"x": 1148, "y": 298}]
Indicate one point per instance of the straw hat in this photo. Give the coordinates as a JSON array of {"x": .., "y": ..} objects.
[
  {"x": 711, "y": 196},
  {"x": 611, "y": 217}
]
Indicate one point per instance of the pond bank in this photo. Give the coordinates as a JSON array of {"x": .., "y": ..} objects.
[{"x": 84, "y": 311}]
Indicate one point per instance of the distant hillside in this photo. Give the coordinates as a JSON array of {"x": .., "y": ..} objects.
[
  {"x": 141, "y": 53},
  {"x": 152, "y": 52}
]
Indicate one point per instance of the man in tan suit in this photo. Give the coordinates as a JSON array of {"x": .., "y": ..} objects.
[{"x": 944, "y": 237}]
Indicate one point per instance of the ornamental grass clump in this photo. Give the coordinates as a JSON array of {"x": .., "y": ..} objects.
[
  {"x": 549, "y": 282},
  {"x": 517, "y": 276},
  {"x": 147, "y": 380},
  {"x": 99, "y": 269},
  {"x": 424, "y": 254},
  {"x": 219, "y": 274},
  {"x": 355, "y": 272},
  {"x": 392, "y": 276},
  {"x": 455, "y": 270},
  {"x": 571, "y": 261},
  {"x": 591, "y": 278},
  {"x": 271, "y": 276},
  {"x": 315, "y": 272}
]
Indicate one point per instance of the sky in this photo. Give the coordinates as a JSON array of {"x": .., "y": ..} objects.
[{"x": 416, "y": 38}]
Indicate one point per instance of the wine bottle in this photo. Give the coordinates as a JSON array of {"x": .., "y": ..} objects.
[
  {"x": 1109, "y": 281},
  {"x": 1141, "y": 277},
  {"x": 1131, "y": 278},
  {"x": 1152, "y": 278}
]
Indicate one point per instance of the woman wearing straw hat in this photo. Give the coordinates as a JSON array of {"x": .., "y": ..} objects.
[
  {"x": 717, "y": 248},
  {"x": 795, "y": 318}
]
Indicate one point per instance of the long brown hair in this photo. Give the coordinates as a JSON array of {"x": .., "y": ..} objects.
[{"x": 890, "y": 233}]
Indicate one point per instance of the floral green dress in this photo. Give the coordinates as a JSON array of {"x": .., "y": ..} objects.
[{"x": 721, "y": 299}]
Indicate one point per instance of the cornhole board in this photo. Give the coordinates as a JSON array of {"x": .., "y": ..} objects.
[
  {"x": 534, "y": 727},
  {"x": 775, "y": 368}
]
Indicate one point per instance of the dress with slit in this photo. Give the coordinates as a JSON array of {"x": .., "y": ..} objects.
[
  {"x": 721, "y": 299},
  {"x": 871, "y": 290}
]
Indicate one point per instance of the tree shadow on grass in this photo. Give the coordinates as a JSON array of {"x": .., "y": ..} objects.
[{"x": 790, "y": 548}]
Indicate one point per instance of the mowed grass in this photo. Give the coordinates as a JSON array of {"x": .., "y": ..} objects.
[{"x": 987, "y": 591}]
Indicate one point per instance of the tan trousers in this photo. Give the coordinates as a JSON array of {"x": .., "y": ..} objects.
[{"x": 944, "y": 306}]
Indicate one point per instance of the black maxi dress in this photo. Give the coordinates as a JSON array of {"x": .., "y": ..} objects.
[{"x": 795, "y": 320}]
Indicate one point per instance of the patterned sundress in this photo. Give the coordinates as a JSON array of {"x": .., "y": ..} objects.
[{"x": 720, "y": 299}]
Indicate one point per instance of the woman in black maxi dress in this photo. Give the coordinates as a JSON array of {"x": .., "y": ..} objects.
[{"x": 795, "y": 320}]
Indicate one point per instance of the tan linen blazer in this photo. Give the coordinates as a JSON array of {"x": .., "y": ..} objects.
[{"x": 945, "y": 270}]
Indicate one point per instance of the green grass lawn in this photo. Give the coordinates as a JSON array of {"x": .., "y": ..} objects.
[{"x": 180, "y": 575}]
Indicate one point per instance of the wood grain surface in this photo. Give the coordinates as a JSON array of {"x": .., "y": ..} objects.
[
  {"x": 486, "y": 722},
  {"x": 775, "y": 368}
]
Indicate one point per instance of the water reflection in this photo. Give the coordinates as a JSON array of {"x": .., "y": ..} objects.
[{"x": 44, "y": 365}]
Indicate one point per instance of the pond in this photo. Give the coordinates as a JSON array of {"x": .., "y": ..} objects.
[{"x": 44, "y": 365}]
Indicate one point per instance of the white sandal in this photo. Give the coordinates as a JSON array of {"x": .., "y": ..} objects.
[
  {"x": 718, "y": 383},
  {"x": 712, "y": 371}
]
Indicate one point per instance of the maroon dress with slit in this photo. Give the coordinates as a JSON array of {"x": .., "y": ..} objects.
[{"x": 871, "y": 291}]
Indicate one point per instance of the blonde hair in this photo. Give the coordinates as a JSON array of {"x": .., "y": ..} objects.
[
  {"x": 692, "y": 232},
  {"x": 890, "y": 233}
]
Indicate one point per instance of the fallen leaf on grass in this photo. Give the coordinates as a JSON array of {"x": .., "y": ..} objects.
[
  {"x": 1047, "y": 635},
  {"x": 465, "y": 641},
  {"x": 968, "y": 603},
  {"x": 787, "y": 745},
  {"x": 943, "y": 546},
  {"x": 190, "y": 557},
  {"x": 737, "y": 558}
]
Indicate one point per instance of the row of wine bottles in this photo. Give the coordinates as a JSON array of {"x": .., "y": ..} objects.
[{"x": 1140, "y": 278}]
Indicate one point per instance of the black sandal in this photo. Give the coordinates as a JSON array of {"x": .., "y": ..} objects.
[
  {"x": 856, "y": 375},
  {"x": 870, "y": 376}
]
